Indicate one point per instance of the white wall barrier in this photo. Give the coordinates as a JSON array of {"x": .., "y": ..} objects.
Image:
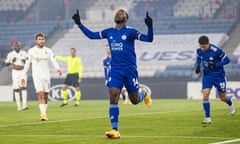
[
  {"x": 6, "y": 93},
  {"x": 194, "y": 90}
]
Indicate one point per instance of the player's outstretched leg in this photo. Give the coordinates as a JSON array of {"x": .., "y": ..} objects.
[
  {"x": 114, "y": 114},
  {"x": 206, "y": 107},
  {"x": 145, "y": 95},
  {"x": 142, "y": 95},
  {"x": 228, "y": 101}
]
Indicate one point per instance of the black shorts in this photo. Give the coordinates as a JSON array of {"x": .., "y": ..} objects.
[{"x": 72, "y": 80}]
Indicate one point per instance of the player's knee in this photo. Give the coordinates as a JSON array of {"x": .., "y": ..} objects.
[
  {"x": 134, "y": 102},
  {"x": 223, "y": 98},
  {"x": 114, "y": 99}
]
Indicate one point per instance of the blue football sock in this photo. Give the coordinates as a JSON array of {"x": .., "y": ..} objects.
[
  {"x": 206, "y": 107},
  {"x": 142, "y": 95},
  {"x": 113, "y": 115},
  {"x": 229, "y": 101}
]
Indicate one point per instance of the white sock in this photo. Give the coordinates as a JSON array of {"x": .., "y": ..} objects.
[
  {"x": 46, "y": 106},
  {"x": 42, "y": 109},
  {"x": 24, "y": 98},
  {"x": 17, "y": 98}
]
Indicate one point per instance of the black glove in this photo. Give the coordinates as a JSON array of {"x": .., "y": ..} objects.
[
  {"x": 76, "y": 18},
  {"x": 148, "y": 20},
  {"x": 211, "y": 66},
  {"x": 197, "y": 69}
]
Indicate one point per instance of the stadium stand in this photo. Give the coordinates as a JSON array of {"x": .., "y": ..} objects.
[
  {"x": 105, "y": 9},
  {"x": 187, "y": 25},
  {"x": 177, "y": 25},
  {"x": 204, "y": 8},
  {"x": 13, "y": 10},
  {"x": 24, "y": 31}
]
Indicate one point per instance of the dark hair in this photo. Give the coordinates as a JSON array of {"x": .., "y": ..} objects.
[
  {"x": 124, "y": 12},
  {"x": 203, "y": 40},
  {"x": 73, "y": 49},
  {"x": 39, "y": 35}
]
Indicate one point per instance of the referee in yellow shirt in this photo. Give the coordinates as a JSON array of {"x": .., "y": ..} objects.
[{"x": 73, "y": 77}]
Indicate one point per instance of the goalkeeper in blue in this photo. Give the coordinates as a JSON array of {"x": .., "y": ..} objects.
[
  {"x": 212, "y": 59},
  {"x": 123, "y": 70}
]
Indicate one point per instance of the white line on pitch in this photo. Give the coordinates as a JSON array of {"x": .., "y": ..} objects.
[
  {"x": 156, "y": 136},
  {"x": 227, "y": 141},
  {"x": 91, "y": 118}
]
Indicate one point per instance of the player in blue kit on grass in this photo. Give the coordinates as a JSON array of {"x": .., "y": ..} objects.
[
  {"x": 123, "y": 70},
  {"x": 107, "y": 63},
  {"x": 212, "y": 58}
]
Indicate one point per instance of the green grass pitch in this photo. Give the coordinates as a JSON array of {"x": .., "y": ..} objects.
[{"x": 166, "y": 122}]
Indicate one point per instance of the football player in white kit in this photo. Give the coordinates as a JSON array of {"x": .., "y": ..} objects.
[
  {"x": 17, "y": 59},
  {"x": 39, "y": 56}
]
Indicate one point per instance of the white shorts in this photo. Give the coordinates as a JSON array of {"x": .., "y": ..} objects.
[
  {"x": 17, "y": 76},
  {"x": 42, "y": 85}
]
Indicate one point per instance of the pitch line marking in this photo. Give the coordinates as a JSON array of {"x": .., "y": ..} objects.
[
  {"x": 91, "y": 118},
  {"x": 227, "y": 141},
  {"x": 159, "y": 136}
]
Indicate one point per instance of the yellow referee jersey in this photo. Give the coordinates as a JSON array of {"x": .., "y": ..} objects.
[{"x": 74, "y": 64}]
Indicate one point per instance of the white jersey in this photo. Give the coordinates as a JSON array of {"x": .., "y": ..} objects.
[
  {"x": 20, "y": 56},
  {"x": 40, "y": 57},
  {"x": 17, "y": 75}
]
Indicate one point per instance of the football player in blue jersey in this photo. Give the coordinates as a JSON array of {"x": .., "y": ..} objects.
[
  {"x": 107, "y": 66},
  {"x": 107, "y": 63},
  {"x": 123, "y": 64},
  {"x": 212, "y": 58}
]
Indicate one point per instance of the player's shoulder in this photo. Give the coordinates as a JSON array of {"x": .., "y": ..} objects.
[
  {"x": 23, "y": 51},
  {"x": 130, "y": 28},
  {"x": 108, "y": 29},
  {"x": 215, "y": 48},
  {"x": 47, "y": 48},
  {"x": 31, "y": 49},
  {"x": 199, "y": 50}
]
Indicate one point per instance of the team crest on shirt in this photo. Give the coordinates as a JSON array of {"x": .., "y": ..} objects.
[
  {"x": 124, "y": 37},
  {"x": 210, "y": 58}
]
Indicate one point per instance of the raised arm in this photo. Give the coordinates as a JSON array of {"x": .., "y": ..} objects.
[
  {"x": 149, "y": 36},
  {"x": 90, "y": 34}
]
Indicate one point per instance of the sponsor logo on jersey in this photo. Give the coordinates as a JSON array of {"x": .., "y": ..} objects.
[
  {"x": 55, "y": 93},
  {"x": 116, "y": 46}
]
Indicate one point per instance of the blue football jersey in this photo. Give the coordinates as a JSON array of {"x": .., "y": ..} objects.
[
  {"x": 213, "y": 55},
  {"x": 107, "y": 66},
  {"x": 121, "y": 42}
]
